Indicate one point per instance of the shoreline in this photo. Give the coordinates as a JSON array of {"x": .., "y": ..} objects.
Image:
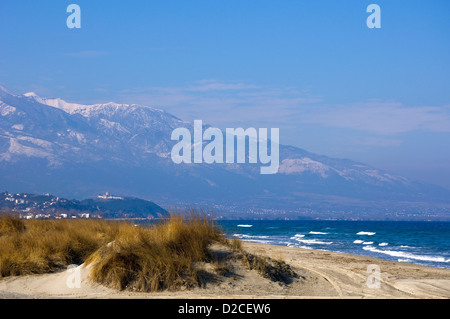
[
  {"x": 344, "y": 253},
  {"x": 421, "y": 243},
  {"x": 322, "y": 274},
  {"x": 348, "y": 273}
]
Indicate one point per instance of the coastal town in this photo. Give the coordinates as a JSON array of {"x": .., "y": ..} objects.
[
  {"x": 108, "y": 206},
  {"x": 30, "y": 206}
]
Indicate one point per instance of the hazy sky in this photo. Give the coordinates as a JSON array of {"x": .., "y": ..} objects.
[{"x": 312, "y": 68}]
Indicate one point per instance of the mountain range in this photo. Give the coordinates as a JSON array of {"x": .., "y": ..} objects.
[{"x": 78, "y": 151}]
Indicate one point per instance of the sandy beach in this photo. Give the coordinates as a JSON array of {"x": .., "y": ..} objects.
[{"x": 321, "y": 275}]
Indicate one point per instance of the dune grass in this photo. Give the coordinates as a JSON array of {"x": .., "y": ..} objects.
[
  {"x": 42, "y": 246},
  {"x": 121, "y": 255},
  {"x": 156, "y": 258}
]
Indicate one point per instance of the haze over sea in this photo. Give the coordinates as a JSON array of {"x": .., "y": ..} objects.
[{"x": 423, "y": 243}]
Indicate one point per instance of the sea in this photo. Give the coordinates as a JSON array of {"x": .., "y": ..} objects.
[{"x": 422, "y": 243}]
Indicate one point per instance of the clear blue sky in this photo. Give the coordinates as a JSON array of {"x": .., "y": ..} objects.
[{"x": 311, "y": 68}]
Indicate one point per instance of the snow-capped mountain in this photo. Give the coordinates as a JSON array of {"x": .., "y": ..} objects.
[
  {"x": 59, "y": 132},
  {"x": 75, "y": 150}
]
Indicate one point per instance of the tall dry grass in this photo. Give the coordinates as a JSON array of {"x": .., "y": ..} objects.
[
  {"x": 156, "y": 258},
  {"x": 41, "y": 246},
  {"x": 120, "y": 255}
]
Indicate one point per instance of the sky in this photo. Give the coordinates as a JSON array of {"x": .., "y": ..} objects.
[{"x": 311, "y": 68}]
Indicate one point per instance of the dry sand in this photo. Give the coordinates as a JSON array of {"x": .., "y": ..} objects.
[{"x": 321, "y": 275}]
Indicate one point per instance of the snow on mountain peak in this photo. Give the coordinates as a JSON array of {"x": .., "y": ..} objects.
[
  {"x": 31, "y": 94},
  {"x": 300, "y": 165},
  {"x": 57, "y": 103},
  {"x": 6, "y": 109},
  {"x": 85, "y": 110}
]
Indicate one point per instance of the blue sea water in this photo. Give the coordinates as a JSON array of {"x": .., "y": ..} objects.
[{"x": 423, "y": 243}]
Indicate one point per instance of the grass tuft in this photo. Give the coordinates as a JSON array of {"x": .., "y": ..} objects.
[
  {"x": 162, "y": 256},
  {"x": 269, "y": 268},
  {"x": 42, "y": 246},
  {"x": 10, "y": 224},
  {"x": 155, "y": 258},
  {"x": 121, "y": 255}
]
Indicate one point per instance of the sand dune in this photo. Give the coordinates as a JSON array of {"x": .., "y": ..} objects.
[{"x": 321, "y": 275}]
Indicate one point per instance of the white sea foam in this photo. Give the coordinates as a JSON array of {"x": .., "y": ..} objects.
[
  {"x": 250, "y": 236},
  {"x": 368, "y": 243},
  {"x": 383, "y": 244},
  {"x": 404, "y": 260},
  {"x": 358, "y": 241},
  {"x": 403, "y": 254},
  {"x": 365, "y": 233},
  {"x": 256, "y": 239},
  {"x": 297, "y": 236},
  {"x": 314, "y": 241},
  {"x": 243, "y": 225},
  {"x": 317, "y": 233},
  {"x": 298, "y": 246},
  {"x": 260, "y": 241}
]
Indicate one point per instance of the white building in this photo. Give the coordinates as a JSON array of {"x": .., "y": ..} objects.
[{"x": 107, "y": 196}]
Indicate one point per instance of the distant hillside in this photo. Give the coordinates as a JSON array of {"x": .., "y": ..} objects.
[
  {"x": 103, "y": 206},
  {"x": 125, "y": 207}
]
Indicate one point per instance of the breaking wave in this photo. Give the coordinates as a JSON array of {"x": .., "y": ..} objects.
[
  {"x": 365, "y": 233},
  {"x": 402, "y": 254}
]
